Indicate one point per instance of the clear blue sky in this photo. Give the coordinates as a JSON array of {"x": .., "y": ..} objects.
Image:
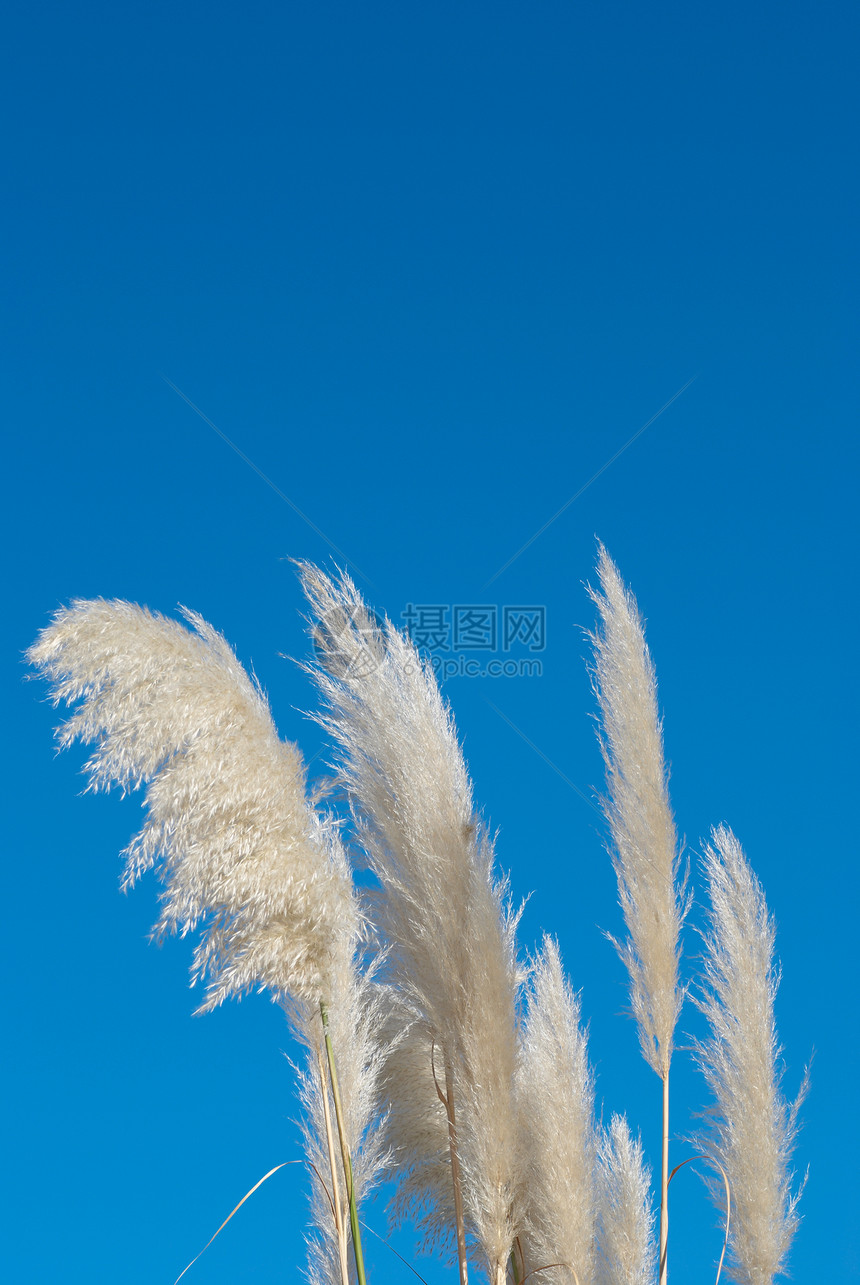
[{"x": 429, "y": 267}]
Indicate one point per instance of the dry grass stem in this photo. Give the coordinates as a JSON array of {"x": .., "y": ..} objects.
[
  {"x": 644, "y": 843},
  {"x": 355, "y": 1017}
]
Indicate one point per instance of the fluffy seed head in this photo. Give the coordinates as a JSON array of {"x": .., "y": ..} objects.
[
  {"x": 753, "y": 1128},
  {"x": 227, "y": 824},
  {"x": 644, "y": 842},
  {"x": 556, "y": 1103},
  {"x": 626, "y": 1220}
]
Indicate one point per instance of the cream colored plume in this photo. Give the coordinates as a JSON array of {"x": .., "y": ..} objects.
[
  {"x": 625, "y": 1217},
  {"x": 227, "y": 823},
  {"x": 441, "y": 911},
  {"x": 644, "y": 842},
  {"x": 556, "y": 1102},
  {"x": 752, "y": 1126}
]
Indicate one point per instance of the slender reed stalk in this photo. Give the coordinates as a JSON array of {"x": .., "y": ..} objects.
[
  {"x": 664, "y": 1181},
  {"x": 644, "y": 843},
  {"x": 347, "y": 1159},
  {"x": 354, "y": 1021},
  {"x": 335, "y": 1181},
  {"x": 440, "y": 911}
]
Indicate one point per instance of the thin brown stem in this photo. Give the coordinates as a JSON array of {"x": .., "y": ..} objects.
[
  {"x": 404, "y": 1261},
  {"x": 321, "y": 1180},
  {"x": 716, "y": 1164}
]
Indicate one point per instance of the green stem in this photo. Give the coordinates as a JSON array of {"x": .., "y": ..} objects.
[
  {"x": 347, "y": 1162},
  {"x": 337, "y": 1208}
]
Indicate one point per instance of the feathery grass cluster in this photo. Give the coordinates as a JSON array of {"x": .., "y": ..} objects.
[{"x": 436, "y": 1054}]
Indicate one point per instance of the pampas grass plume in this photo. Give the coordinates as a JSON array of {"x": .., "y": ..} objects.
[
  {"x": 644, "y": 842},
  {"x": 227, "y": 824},
  {"x": 556, "y": 1102},
  {"x": 753, "y": 1128},
  {"x": 243, "y": 856},
  {"x": 627, "y": 1249},
  {"x": 483, "y": 1116}
]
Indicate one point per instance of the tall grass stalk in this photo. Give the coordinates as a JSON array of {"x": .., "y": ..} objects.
[
  {"x": 442, "y": 915},
  {"x": 335, "y": 1181},
  {"x": 356, "y": 1049},
  {"x": 644, "y": 843}
]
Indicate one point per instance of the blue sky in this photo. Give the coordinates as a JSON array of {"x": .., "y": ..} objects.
[{"x": 429, "y": 268}]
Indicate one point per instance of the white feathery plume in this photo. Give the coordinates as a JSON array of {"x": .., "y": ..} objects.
[
  {"x": 644, "y": 842},
  {"x": 625, "y": 1219},
  {"x": 753, "y": 1128},
  {"x": 441, "y": 911},
  {"x": 227, "y": 821},
  {"x": 241, "y": 853},
  {"x": 485, "y": 1067},
  {"x": 556, "y": 1102}
]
